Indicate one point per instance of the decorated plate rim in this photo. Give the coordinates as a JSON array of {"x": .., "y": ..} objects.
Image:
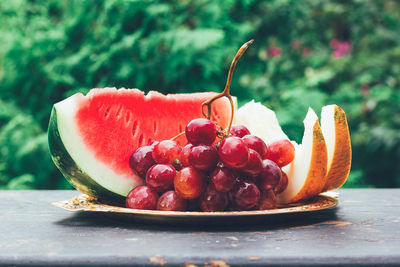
[{"x": 89, "y": 204}]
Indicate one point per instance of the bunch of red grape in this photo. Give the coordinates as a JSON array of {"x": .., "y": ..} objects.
[{"x": 238, "y": 173}]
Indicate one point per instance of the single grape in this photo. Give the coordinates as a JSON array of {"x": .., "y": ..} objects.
[
  {"x": 256, "y": 143},
  {"x": 184, "y": 155},
  {"x": 254, "y": 164},
  {"x": 270, "y": 175},
  {"x": 203, "y": 157},
  {"x": 167, "y": 152},
  {"x": 143, "y": 198},
  {"x": 141, "y": 160},
  {"x": 201, "y": 131},
  {"x": 267, "y": 200},
  {"x": 161, "y": 177},
  {"x": 246, "y": 195},
  {"x": 223, "y": 179},
  {"x": 233, "y": 152},
  {"x": 171, "y": 201},
  {"x": 213, "y": 200},
  {"x": 189, "y": 183},
  {"x": 283, "y": 183},
  {"x": 239, "y": 130},
  {"x": 281, "y": 152}
]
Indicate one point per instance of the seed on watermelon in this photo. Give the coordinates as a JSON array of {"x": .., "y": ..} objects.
[
  {"x": 233, "y": 152},
  {"x": 167, "y": 151},
  {"x": 239, "y": 130},
  {"x": 256, "y": 143},
  {"x": 171, "y": 201},
  {"x": 161, "y": 177},
  {"x": 189, "y": 183},
  {"x": 223, "y": 179},
  {"x": 270, "y": 175},
  {"x": 213, "y": 200},
  {"x": 203, "y": 157},
  {"x": 143, "y": 198},
  {"x": 141, "y": 160},
  {"x": 201, "y": 131}
]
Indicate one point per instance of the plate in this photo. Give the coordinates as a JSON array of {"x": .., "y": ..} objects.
[{"x": 84, "y": 203}]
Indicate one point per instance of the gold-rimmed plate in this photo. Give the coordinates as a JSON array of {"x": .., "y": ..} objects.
[{"x": 84, "y": 203}]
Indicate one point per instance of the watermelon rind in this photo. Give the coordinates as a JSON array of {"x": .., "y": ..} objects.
[{"x": 90, "y": 176}]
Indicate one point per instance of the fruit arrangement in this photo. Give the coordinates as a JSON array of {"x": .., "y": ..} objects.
[
  {"x": 197, "y": 151},
  {"x": 238, "y": 173}
]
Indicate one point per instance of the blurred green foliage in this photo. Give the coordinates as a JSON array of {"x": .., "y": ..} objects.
[{"x": 306, "y": 53}]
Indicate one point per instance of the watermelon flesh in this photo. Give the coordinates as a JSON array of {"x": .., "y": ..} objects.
[{"x": 98, "y": 133}]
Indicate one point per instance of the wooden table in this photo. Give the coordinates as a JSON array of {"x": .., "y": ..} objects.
[{"x": 364, "y": 229}]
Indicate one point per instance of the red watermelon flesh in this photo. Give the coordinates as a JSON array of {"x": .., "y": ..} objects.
[{"x": 113, "y": 123}]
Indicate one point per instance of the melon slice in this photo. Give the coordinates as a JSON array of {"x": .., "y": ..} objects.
[
  {"x": 307, "y": 172},
  {"x": 261, "y": 121},
  {"x": 337, "y": 137},
  {"x": 91, "y": 137}
]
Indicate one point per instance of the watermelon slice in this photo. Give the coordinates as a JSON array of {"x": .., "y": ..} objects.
[{"x": 91, "y": 137}]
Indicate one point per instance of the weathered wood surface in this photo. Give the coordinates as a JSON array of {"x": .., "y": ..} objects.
[{"x": 364, "y": 229}]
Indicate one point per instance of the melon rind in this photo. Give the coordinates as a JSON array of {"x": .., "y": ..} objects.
[
  {"x": 70, "y": 170},
  {"x": 90, "y": 177}
]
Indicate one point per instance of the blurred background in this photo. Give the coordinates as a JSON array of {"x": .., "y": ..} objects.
[{"x": 306, "y": 53}]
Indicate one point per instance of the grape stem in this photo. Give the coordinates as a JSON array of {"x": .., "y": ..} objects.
[
  {"x": 226, "y": 92},
  {"x": 178, "y": 135}
]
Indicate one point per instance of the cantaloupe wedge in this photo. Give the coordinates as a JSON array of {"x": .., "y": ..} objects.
[
  {"x": 307, "y": 173},
  {"x": 337, "y": 137},
  {"x": 322, "y": 161}
]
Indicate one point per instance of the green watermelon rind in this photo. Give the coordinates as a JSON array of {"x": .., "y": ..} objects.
[{"x": 71, "y": 170}]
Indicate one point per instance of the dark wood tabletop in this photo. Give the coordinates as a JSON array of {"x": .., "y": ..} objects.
[{"x": 363, "y": 230}]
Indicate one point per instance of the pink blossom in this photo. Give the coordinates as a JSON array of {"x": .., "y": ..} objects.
[
  {"x": 340, "y": 49},
  {"x": 365, "y": 89},
  {"x": 334, "y": 44},
  {"x": 296, "y": 45},
  {"x": 274, "y": 51},
  {"x": 306, "y": 52}
]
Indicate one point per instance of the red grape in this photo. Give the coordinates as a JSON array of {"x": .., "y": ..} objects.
[
  {"x": 141, "y": 160},
  {"x": 171, "y": 201},
  {"x": 246, "y": 195},
  {"x": 203, "y": 157},
  {"x": 201, "y": 131},
  {"x": 239, "y": 130},
  {"x": 281, "y": 152},
  {"x": 142, "y": 197},
  {"x": 233, "y": 152},
  {"x": 254, "y": 165},
  {"x": 267, "y": 200},
  {"x": 189, "y": 183},
  {"x": 256, "y": 143},
  {"x": 167, "y": 151},
  {"x": 212, "y": 200},
  {"x": 161, "y": 177},
  {"x": 223, "y": 179},
  {"x": 283, "y": 183},
  {"x": 270, "y": 175},
  {"x": 184, "y": 155}
]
